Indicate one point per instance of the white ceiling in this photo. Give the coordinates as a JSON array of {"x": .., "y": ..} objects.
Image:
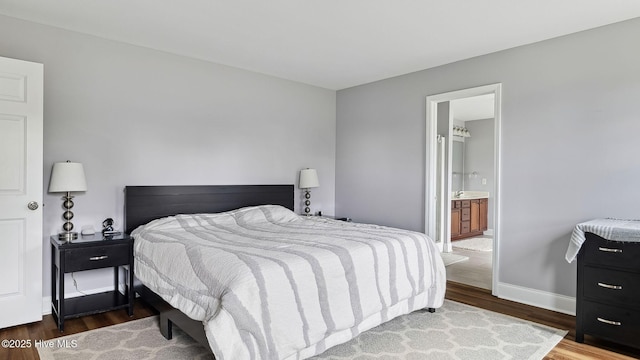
[
  {"x": 473, "y": 108},
  {"x": 333, "y": 44}
]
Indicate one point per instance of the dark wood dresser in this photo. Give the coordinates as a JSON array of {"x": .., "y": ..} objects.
[{"x": 608, "y": 291}]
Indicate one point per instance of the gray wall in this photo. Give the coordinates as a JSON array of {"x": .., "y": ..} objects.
[
  {"x": 569, "y": 145},
  {"x": 136, "y": 116}
]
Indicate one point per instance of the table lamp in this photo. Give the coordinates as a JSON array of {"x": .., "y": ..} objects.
[
  {"x": 308, "y": 180},
  {"x": 67, "y": 177}
]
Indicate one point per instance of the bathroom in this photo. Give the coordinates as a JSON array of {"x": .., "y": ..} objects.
[{"x": 472, "y": 178}]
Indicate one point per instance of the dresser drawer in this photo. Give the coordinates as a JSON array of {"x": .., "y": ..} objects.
[
  {"x": 613, "y": 323},
  {"x": 615, "y": 254},
  {"x": 611, "y": 286},
  {"x": 96, "y": 257}
]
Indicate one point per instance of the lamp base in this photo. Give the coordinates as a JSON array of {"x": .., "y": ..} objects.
[
  {"x": 307, "y": 202},
  {"x": 68, "y": 236}
]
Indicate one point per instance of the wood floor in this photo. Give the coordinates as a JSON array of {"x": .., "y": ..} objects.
[{"x": 566, "y": 349}]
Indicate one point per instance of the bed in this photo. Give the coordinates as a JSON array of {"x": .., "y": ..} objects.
[{"x": 236, "y": 269}]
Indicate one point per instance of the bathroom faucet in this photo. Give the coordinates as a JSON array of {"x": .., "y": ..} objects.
[{"x": 458, "y": 193}]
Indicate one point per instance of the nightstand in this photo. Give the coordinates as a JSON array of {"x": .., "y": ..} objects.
[{"x": 90, "y": 253}]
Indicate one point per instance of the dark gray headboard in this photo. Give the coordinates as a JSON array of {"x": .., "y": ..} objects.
[{"x": 145, "y": 203}]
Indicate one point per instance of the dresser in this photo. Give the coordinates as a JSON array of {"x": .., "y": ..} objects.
[{"x": 608, "y": 290}]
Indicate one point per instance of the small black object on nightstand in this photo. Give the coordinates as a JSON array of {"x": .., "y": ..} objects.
[
  {"x": 107, "y": 228},
  {"x": 89, "y": 253}
]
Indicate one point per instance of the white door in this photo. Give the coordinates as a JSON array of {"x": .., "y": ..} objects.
[{"x": 21, "y": 95}]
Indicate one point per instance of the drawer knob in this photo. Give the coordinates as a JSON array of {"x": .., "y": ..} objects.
[
  {"x": 96, "y": 258},
  {"x": 610, "y": 322},
  {"x": 610, "y": 250},
  {"x": 614, "y": 287}
]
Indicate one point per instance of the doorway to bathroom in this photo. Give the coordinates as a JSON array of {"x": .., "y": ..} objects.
[{"x": 462, "y": 180}]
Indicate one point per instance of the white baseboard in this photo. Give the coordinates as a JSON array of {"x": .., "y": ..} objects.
[
  {"x": 542, "y": 299},
  {"x": 488, "y": 232},
  {"x": 46, "y": 301},
  {"x": 46, "y": 305}
]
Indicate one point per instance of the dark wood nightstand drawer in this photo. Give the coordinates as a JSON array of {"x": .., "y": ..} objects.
[
  {"x": 612, "y": 323},
  {"x": 614, "y": 254},
  {"x": 96, "y": 257},
  {"x": 612, "y": 286}
]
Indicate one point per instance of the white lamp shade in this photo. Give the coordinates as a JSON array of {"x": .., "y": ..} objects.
[
  {"x": 308, "y": 179},
  {"x": 67, "y": 177}
]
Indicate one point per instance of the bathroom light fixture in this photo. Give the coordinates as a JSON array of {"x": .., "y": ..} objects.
[
  {"x": 308, "y": 180},
  {"x": 461, "y": 131},
  {"x": 67, "y": 177}
]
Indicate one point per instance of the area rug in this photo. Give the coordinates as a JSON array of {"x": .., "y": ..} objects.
[
  {"x": 454, "y": 331},
  {"x": 477, "y": 243},
  {"x": 133, "y": 340},
  {"x": 451, "y": 258}
]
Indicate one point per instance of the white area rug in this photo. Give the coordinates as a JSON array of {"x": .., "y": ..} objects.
[
  {"x": 451, "y": 258},
  {"x": 454, "y": 331},
  {"x": 477, "y": 243}
]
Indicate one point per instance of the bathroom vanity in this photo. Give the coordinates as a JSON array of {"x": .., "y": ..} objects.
[{"x": 468, "y": 214}]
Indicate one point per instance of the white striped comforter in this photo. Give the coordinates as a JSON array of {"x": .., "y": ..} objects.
[{"x": 269, "y": 284}]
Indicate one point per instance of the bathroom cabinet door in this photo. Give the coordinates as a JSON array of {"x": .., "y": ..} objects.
[
  {"x": 484, "y": 208},
  {"x": 455, "y": 222},
  {"x": 475, "y": 216}
]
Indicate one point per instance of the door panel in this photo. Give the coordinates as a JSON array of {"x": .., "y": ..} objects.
[
  {"x": 21, "y": 121},
  {"x": 12, "y": 140},
  {"x": 483, "y": 214},
  {"x": 13, "y": 86},
  {"x": 475, "y": 216},
  {"x": 12, "y": 255},
  {"x": 455, "y": 222}
]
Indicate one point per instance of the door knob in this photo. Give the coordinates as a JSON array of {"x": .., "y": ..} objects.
[{"x": 32, "y": 205}]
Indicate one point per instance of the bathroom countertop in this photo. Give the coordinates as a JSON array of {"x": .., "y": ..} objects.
[{"x": 470, "y": 195}]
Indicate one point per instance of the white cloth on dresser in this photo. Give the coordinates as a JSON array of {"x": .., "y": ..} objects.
[{"x": 610, "y": 229}]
